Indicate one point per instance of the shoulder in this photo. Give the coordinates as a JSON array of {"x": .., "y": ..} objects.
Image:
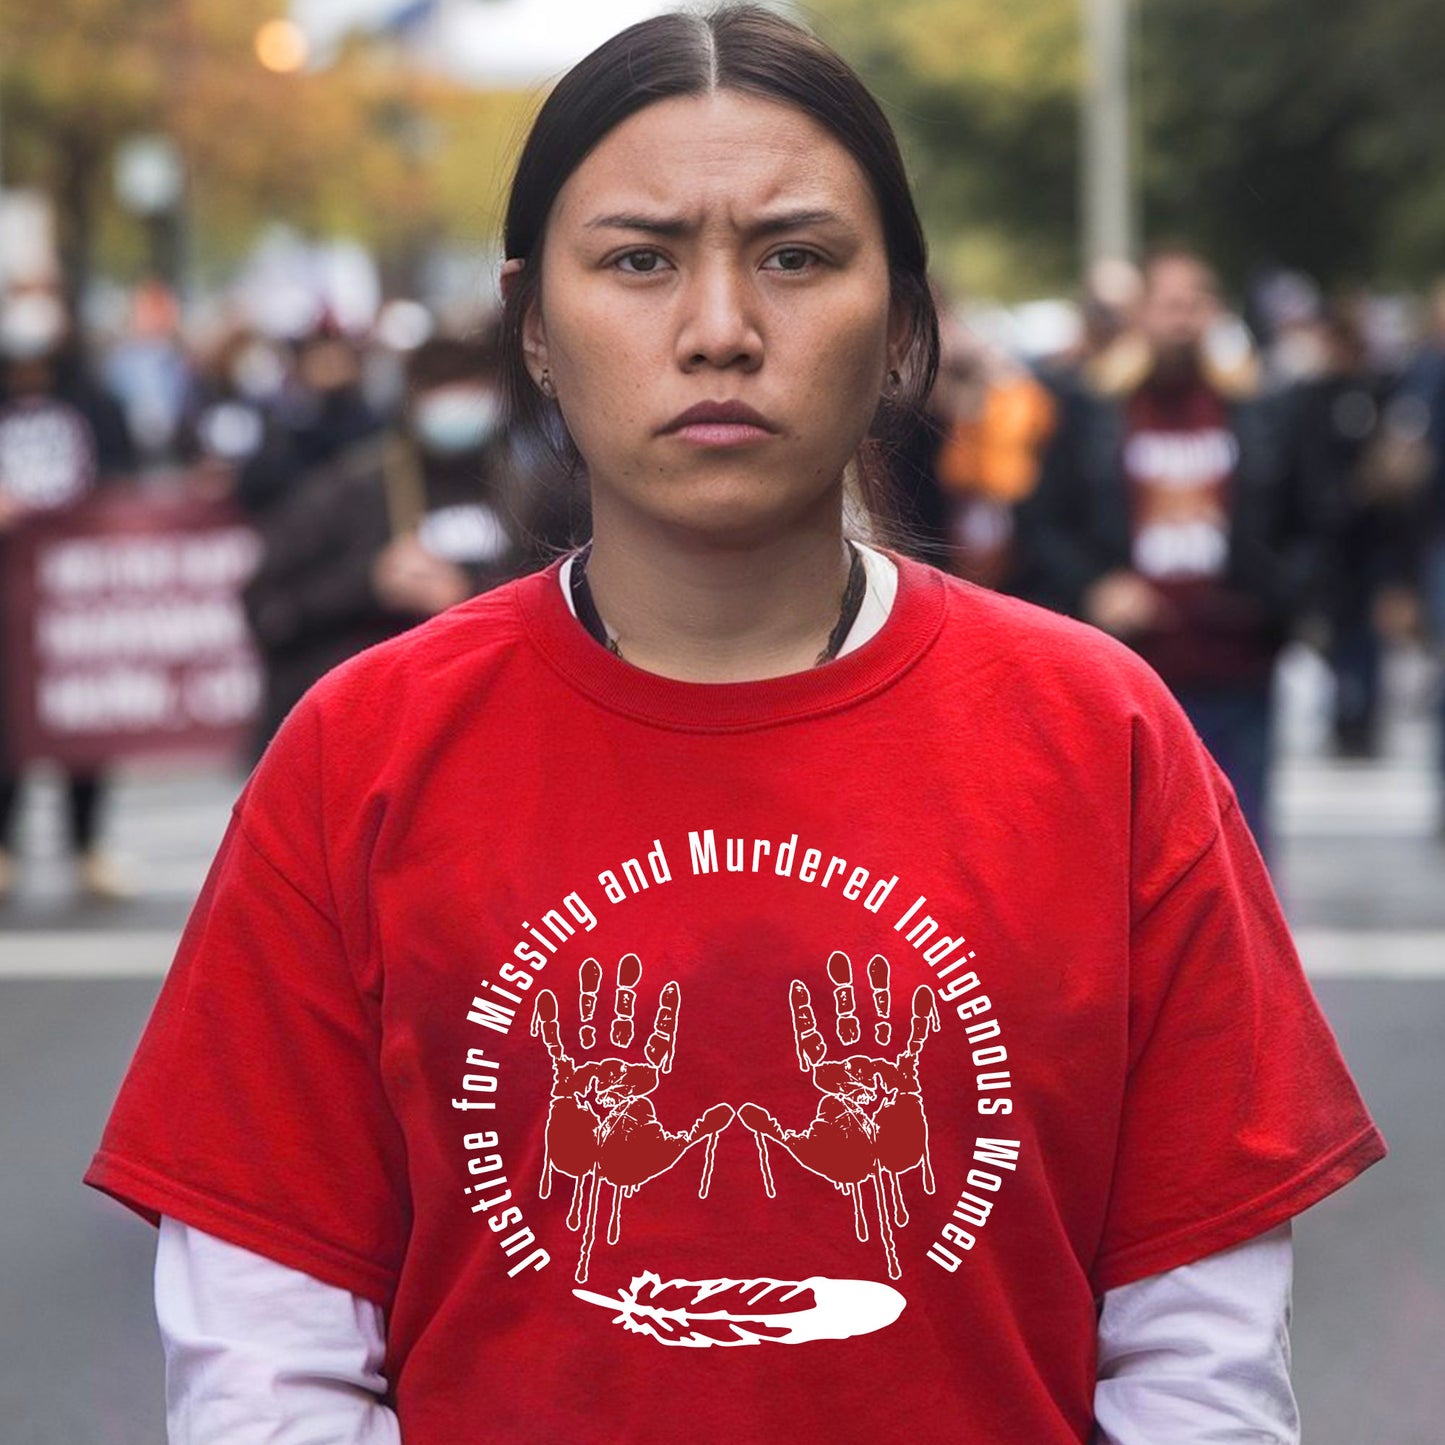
[
  {"x": 359, "y": 472},
  {"x": 458, "y": 651},
  {"x": 1061, "y": 699},
  {"x": 1042, "y": 658},
  {"x": 385, "y": 714}
]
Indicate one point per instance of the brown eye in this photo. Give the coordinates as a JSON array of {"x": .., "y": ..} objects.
[
  {"x": 639, "y": 263},
  {"x": 793, "y": 259}
]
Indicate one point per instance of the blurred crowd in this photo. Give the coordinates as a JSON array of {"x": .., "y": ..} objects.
[
  {"x": 1205, "y": 483},
  {"x": 371, "y": 463}
]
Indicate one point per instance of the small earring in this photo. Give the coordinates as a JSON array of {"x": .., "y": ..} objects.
[
  {"x": 545, "y": 384},
  {"x": 895, "y": 379}
]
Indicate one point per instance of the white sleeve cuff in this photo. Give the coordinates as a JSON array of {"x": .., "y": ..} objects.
[
  {"x": 1201, "y": 1353},
  {"x": 261, "y": 1354}
]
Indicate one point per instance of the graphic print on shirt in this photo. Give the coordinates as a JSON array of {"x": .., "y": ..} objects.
[
  {"x": 1180, "y": 485},
  {"x": 699, "y": 1313},
  {"x": 841, "y": 1093},
  {"x": 602, "y": 1127},
  {"x": 870, "y": 1126}
]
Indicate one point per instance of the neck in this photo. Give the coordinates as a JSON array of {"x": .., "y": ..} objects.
[{"x": 701, "y": 610}]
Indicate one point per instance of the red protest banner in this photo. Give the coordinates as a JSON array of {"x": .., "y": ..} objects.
[{"x": 123, "y": 632}]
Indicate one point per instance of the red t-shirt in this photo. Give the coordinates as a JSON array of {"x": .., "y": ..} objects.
[{"x": 518, "y": 1000}]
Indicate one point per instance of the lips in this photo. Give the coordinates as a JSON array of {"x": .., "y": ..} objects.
[{"x": 719, "y": 413}]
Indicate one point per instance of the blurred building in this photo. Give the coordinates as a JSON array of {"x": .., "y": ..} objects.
[{"x": 494, "y": 44}]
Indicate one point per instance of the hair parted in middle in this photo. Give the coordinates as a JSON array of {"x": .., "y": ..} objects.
[{"x": 750, "y": 50}]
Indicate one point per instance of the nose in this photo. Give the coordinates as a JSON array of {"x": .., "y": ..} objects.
[{"x": 719, "y": 323}]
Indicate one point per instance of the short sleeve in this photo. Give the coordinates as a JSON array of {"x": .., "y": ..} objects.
[
  {"x": 254, "y": 1107},
  {"x": 1239, "y": 1112}
]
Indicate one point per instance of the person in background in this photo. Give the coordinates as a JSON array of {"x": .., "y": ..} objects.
[
  {"x": 1422, "y": 391},
  {"x": 229, "y": 433},
  {"x": 1169, "y": 515},
  {"x": 60, "y": 437},
  {"x": 395, "y": 530},
  {"x": 1108, "y": 307},
  {"x": 999, "y": 421},
  {"x": 1363, "y": 459},
  {"x": 971, "y": 456},
  {"x": 1285, "y": 311},
  {"x": 149, "y": 373},
  {"x": 318, "y": 412}
]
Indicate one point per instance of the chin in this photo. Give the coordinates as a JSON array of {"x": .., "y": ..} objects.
[
  {"x": 736, "y": 509},
  {"x": 742, "y": 518}
]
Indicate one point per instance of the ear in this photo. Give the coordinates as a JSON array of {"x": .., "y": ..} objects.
[
  {"x": 534, "y": 334},
  {"x": 511, "y": 270}
]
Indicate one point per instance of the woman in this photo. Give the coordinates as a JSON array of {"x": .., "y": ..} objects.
[{"x": 784, "y": 1013}]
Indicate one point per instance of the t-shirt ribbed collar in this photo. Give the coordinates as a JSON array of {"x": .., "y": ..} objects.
[{"x": 612, "y": 681}]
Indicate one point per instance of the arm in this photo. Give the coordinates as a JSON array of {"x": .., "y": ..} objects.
[
  {"x": 258, "y": 1352},
  {"x": 1201, "y": 1353},
  {"x": 315, "y": 571},
  {"x": 1286, "y": 511},
  {"x": 1060, "y": 555}
]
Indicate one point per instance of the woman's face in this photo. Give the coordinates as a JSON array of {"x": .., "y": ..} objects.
[{"x": 716, "y": 249}]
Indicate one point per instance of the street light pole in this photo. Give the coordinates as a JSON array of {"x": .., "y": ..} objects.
[{"x": 1105, "y": 182}]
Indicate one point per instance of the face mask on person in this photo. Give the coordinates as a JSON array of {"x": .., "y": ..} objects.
[
  {"x": 453, "y": 420},
  {"x": 257, "y": 372},
  {"x": 32, "y": 327}
]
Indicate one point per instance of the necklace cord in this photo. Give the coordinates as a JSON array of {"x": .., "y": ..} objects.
[{"x": 853, "y": 593}]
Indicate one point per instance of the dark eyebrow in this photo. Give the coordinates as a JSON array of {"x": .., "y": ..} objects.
[
  {"x": 796, "y": 221},
  {"x": 670, "y": 226},
  {"x": 653, "y": 225}
]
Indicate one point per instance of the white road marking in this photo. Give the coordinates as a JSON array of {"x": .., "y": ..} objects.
[
  {"x": 1334, "y": 800},
  {"x": 78, "y": 953},
  {"x": 1372, "y": 953},
  {"x": 82, "y": 953}
]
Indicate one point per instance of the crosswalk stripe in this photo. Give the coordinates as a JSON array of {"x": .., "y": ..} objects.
[
  {"x": 1332, "y": 800},
  {"x": 1372, "y": 953},
  {"x": 147, "y": 953},
  {"x": 87, "y": 953}
]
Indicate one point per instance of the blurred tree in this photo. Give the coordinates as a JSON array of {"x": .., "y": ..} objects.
[
  {"x": 1269, "y": 130},
  {"x": 75, "y": 79},
  {"x": 1281, "y": 131},
  {"x": 364, "y": 147},
  {"x": 985, "y": 100},
  {"x": 1290, "y": 132}
]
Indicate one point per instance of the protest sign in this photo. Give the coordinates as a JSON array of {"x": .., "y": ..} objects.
[{"x": 123, "y": 632}]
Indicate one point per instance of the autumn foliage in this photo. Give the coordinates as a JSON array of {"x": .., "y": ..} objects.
[{"x": 364, "y": 147}]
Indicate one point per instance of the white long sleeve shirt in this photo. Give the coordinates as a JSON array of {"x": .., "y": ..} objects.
[{"x": 261, "y": 1354}]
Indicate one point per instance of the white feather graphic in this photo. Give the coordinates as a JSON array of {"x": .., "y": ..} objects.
[{"x": 701, "y": 1313}]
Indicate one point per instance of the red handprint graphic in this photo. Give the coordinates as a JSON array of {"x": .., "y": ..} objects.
[
  {"x": 870, "y": 1122},
  {"x": 602, "y": 1126}
]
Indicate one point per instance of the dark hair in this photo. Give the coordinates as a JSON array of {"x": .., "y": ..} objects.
[{"x": 741, "y": 48}]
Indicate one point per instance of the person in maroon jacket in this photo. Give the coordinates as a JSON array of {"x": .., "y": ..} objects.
[{"x": 1171, "y": 514}]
